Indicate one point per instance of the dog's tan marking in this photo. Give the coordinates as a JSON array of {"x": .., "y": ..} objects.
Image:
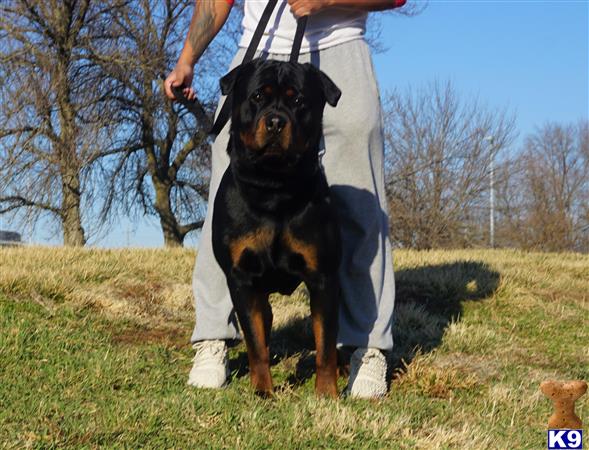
[
  {"x": 325, "y": 358},
  {"x": 286, "y": 136},
  {"x": 248, "y": 139},
  {"x": 254, "y": 241},
  {"x": 258, "y": 351},
  {"x": 261, "y": 133},
  {"x": 255, "y": 139},
  {"x": 306, "y": 250}
]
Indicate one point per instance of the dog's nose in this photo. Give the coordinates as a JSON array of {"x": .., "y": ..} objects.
[{"x": 275, "y": 123}]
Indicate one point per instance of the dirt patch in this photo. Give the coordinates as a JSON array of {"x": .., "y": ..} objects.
[{"x": 169, "y": 337}]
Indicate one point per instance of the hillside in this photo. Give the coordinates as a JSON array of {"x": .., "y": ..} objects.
[{"x": 94, "y": 350}]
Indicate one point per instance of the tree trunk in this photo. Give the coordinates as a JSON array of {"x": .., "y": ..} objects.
[
  {"x": 73, "y": 233},
  {"x": 170, "y": 227},
  {"x": 171, "y": 236}
]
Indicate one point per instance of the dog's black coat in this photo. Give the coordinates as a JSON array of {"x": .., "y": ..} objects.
[{"x": 273, "y": 223}]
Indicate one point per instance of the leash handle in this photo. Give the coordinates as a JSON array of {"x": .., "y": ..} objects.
[
  {"x": 193, "y": 106},
  {"x": 178, "y": 92}
]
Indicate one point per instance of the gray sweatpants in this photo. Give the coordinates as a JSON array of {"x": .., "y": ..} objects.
[{"x": 353, "y": 163}]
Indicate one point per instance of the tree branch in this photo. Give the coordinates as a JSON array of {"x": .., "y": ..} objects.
[
  {"x": 185, "y": 229},
  {"x": 21, "y": 202}
]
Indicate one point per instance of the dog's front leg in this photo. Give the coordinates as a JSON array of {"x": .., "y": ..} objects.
[
  {"x": 324, "y": 291},
  {"x": 255, "y": 317}
]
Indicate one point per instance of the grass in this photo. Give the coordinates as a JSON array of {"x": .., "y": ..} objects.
[{"x": 94, "y": 352}]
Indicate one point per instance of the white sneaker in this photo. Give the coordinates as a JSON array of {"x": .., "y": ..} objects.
[
  {"x": 368, "y": 371},
  {"x": 211, "y": 366}
]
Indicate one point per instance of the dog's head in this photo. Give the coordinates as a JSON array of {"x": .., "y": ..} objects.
[{"x": 277, "y": 109}]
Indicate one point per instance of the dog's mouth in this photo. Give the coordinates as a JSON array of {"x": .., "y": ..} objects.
[{"x": 274, "y": 146}]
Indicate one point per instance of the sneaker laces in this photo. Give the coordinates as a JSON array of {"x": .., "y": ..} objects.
[
  {"x": 209, "y": 351},
  {"x": 370, "y": 360}
]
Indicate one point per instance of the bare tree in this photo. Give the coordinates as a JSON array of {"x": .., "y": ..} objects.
[
  {"x": 545, "y": 205},
  {"x": 438, "y": 154},
  {"x": 52, "y": 111},
  {"x": 85, "y": 126},
  {"x": 166, "y": 173}
]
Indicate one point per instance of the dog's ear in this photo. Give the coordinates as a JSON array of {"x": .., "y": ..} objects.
[
  {"x": 330, "y": 90},
  {"x": 227, "y": 82}
]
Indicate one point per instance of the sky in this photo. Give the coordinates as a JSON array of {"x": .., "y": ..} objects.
[{"x": 529, "y": 57}]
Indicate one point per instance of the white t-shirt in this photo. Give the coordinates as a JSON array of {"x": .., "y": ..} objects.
[{"x": 325, "y": 29}]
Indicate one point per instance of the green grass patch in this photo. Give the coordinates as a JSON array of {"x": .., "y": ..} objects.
[{"x": 95, "y": 352}]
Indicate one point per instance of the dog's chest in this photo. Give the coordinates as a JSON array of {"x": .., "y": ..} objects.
[{"x": 268, "y": 248}]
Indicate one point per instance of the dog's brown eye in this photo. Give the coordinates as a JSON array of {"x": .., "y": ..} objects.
[
  {"x": 257, "y": 97},
  {"x": 299, "y": 100}
]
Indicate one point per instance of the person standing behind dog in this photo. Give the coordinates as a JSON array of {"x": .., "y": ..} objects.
[{"x": 353, "y": 163}]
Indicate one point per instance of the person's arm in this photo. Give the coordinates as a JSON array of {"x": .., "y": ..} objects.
[
  {"x": 208, "y": 18},
  {"x": 306, "y": 7}
]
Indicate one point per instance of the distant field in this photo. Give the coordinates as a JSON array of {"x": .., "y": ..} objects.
[{"x": 94, "y": 352}]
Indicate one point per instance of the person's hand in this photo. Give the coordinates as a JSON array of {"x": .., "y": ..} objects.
[
  {"x": 181, "y": 76},
  {"x": 302, "y": 8}
]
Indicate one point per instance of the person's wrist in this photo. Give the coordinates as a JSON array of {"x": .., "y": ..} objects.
[
  {"x": 185, "y": 61},
  {"x": 187, "y": 58}
]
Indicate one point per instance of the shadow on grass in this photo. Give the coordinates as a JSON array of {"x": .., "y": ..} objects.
[{"x": 428, "y": 299}]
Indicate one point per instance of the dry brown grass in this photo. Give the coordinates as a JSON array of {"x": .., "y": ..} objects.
[
  {"x": 149, "y": 285},
  {"x": 436, "y": 379}
]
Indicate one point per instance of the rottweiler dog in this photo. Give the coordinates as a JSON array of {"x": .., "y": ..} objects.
[{"x": 273, "y": 222}]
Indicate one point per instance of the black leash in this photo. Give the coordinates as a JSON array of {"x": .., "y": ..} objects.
[
  {"x": 257, "y": 37},
  {"x": 193, "y": 106},
  {"x": 225, "y": 112},
  {"x": 298, "y": 39}
]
